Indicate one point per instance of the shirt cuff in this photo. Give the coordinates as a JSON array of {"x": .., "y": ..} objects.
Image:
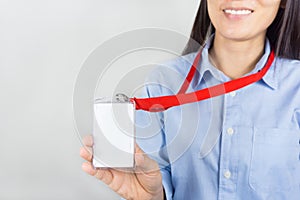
[{"x": 167, "y": 184}]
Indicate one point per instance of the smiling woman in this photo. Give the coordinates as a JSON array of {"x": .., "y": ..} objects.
[
  {"x": 241, "y": 20},
  {"x": 283, "y": 33},
  {"x": 246, "y": 145}
]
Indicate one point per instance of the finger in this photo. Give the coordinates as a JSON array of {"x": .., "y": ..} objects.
[
  {"x": 88, "y": 140},
  {"x": 143, "y": 162},
  {"x": 86, "y": 153},
  {"x": 88, "y": 168},
  {"x": 105, "y": 175}
]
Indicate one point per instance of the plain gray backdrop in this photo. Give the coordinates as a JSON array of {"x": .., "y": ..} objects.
[{"x": 42, "y": 47}]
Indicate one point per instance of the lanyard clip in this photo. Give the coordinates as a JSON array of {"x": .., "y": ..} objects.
[{"x": 121, "y": 98}]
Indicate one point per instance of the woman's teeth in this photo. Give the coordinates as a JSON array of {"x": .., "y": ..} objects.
[{"x": 238, "y": 12}]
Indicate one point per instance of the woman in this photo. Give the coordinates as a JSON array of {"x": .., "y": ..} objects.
[{"x": 257, "y": 153}]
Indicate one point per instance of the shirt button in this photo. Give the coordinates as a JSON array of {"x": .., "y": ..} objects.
[
  {"x": 230, "y": 131},
  {"x": 233, "y": 93},
  {"x": 227, "y": 174}
]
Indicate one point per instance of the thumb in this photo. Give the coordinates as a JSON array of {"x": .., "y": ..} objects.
[{"x": 143, "y": 162}]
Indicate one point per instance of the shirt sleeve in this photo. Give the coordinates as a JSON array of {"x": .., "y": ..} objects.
[{"x": 150, "y": 136}]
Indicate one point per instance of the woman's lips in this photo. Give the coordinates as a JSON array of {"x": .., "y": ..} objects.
[{"x": 237, "y": 13}]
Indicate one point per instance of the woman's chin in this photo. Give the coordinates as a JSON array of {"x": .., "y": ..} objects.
[{"x": 238, "y": 35}]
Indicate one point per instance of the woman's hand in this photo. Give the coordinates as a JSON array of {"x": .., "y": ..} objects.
[{"x": 144, "y": 183}]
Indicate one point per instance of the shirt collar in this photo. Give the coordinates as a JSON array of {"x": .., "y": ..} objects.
[{"x": 270, "y": 79}]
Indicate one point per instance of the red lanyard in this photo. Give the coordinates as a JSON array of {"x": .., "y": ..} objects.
[{"x": 158, "y": 104}]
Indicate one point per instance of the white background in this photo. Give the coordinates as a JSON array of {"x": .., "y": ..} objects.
[{"x": 42, "y": 46}]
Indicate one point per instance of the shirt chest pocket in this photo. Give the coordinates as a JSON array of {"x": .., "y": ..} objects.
[{"x": 275, "y": 164}]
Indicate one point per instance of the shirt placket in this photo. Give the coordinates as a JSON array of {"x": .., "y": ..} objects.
[{"x": 228, "y": 156}]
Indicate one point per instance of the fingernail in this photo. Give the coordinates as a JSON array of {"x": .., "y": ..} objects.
[
  {"x": 85, "y": 166},
  {"x": 81, "y": 151}
]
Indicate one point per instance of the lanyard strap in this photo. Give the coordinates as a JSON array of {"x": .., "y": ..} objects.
[
  {"x": 158, "y": 104},
  {"x": 190, "y": 75}
]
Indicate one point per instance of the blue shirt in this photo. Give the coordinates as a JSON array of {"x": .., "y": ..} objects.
[{"x": 241, "y": 145}]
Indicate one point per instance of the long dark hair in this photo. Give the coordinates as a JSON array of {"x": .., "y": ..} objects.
[{"x": 283, "y": 33}]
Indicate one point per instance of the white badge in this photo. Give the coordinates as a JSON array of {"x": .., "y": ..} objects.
[{"x": 114, "y": 131}]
